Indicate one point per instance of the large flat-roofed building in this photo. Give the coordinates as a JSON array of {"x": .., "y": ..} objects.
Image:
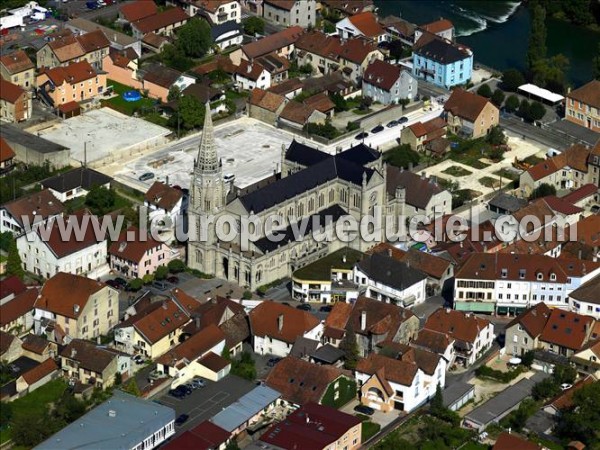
[
  {"x": 122, "y": 422},
  {"x": 32, "y": 149}
]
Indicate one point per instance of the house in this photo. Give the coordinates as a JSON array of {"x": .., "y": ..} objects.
[
  {"x": 442, "y": 62},
  {"x": 565, "y": 332},
  {"x": 332, "y": 83},
  {"x": 472, "y": 335},
  {"x": 38, "y": 207},
  {"x": 38, "y": 348},
  {"x": 505, "y": 204},
  {"x": 582, "y": 106},
  {"x": 155, "y": 42},
  {"x": 439, "y": 271},
  {"x": 389, "y": 280},
  {"x": 86, "y": 363},
  {"x": 137, "y": 10},
  {"x": 470, "y": 114},
  {"x": 7, "y": 157},
  {"x": 564, "y": 400},
  {"x": 77, "y": 82},
  {"x": 217, "y": 12},
  {"x": 509, "y": 441},
  {"x": 585, "y": 300},
  {"x": 363, "y": 24},
  {"x": 442, "y": 28},
  {"x": 329, "y": 279},
  {"x": 198, "y": 356},
  {"x": 227, "y": 34},
  {"x": 10, "y": 347},
  {"x": 276, "y": 65},
  {"x": 250, "y": 411},
  {"x": 17, "y": 68},
  {"x": 153, "y": 330},
  {"x": 16, "y": 317},
  {"x": 587, "y": 360},
  {"x": 158, "y": 80},
  {"x": 322, "y": 103},
  {"x": 162, "y": 23},
  {"x": 411, "y": 194},
  {"x": 524, "y": 331},
  {"x": 289, "y": 88},
  {"x": 45, "y": 252},
  {"x": 301, "y": 382},
  {"x": 419, "y": 134},
  {"x": 399, "y": 29},
  {"x": 346, "y": 8},
  {"x": 124, "y": 420},
  {"x": 316, "y": 427},
  {"x": 275, "y": 327},
  {"x": 75, "y": 183},
  {"x": 10, "y": 287},
  {"x": 204, "y": 92},
  {"x": 388, "y": 84},
  {"x": 265, "y": 105},
  {"x": 297, "y": 115},
  {"x": 219, "y": 63},
  {"x": 251, "y": 75},
  {"x": 120, "y": 68},
  {"x": 36, "y": 377},
  {"x": 136, "y": 254},
  {"x": 68, "y": 48},
  {"x": 403, "y": 384},
  {"x": 301, "y": 13},
  {"x": 507, "y": 283},
  {"x": 15, "y": 103},
  {"x": 205, "y": 436},
  {"x": 282, "y": 43},
  {"x": 120, "y": 42},
  {"x": 75, "y": 307},
  {"x": 164, "y": 203}
]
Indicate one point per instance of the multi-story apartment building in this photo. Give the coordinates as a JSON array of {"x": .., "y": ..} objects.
[
  {"x": 302, "y": 13},
  {"x": 69, "y": 48},
  {"x": 582, "y": 106},
  {"x": 386, "y": 83},
  {"x": 470, "y": 114},
  {"x": 76, "y": 82},
  {"x": 216, "y": 12},
  {"x": 17, "y": 68},
  {"x": 84, "y": 362},
  {"x": 15, "y": 102},
  {"x": 442, "y": 62}
]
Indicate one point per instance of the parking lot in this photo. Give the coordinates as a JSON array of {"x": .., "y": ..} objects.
[{"x": 204, "y": 403}]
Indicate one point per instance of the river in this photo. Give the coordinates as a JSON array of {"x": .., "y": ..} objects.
[{"x": 498, "y": 32}]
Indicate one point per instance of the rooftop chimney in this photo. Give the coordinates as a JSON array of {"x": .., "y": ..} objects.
[
  {"x": 280, "y": 322},
  {"x": 363, "y": 320}
]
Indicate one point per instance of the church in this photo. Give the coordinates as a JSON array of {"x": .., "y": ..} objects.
[{"x": 312, "y": 184}]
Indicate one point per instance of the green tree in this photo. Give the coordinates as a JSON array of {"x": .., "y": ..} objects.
[
  {"x": 118, "y": 379},
  {"x": 485, "y": 91},
  {"x": 349, "y": 346},
  {"x": 512, "y": 103},
  {"x": 28, "y": 428},
  {"x": 175, "y": 58},
  {"x": 68, "y": 408},
  {"x": 340, "y": 102},
  {"x": 496, "y": 136},
  {"x": 100, "y": 200},
  {"x": 232, "y": 445},
  {"x": 551, "y": 73},
  {"x": 136, "y": 284},
  {"x": 254, "y": 25},
  {"x": 176, "y": 266},
  {"x": 5, "y": 239},
  {"x": 226, "y": 353},
  {"x": 161, "y": 273},
  {"x": 596, "y": 64},
  {"x": 537, "y": 37},
  {"x": 174, "y": 94},
  {"x": 14, "y": 265},
  {"x": 527, "y": 358},
  {"x": 536, "y": 111},
  {"x": 245, "y": 367},
  {"x": 543, "y": 190},
  {"x": 512, "y": 79},
  {"x": 523, "y": 110},
  {"x": 148, "y": 278},
  {"x": 582, "y": 421},
  {"x": 194, "y": 38},
  {"x": 498, "y": 98},
  {"x": 437, "y": 402},
  {"x": 545, "y": 389},
  {"x": 132, "y": 388},
  {"x": 191, "y": 112},
  {"x": 247, "y": 295},
  {"x": 564, "y": 374},
  {"x": 5, "y": 414}
]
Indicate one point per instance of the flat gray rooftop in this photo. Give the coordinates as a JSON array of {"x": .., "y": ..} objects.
[
  {"x": 245, "y": 408},
  {"x": 29, "y": 140},
  {"x": 455, "y": 392}
]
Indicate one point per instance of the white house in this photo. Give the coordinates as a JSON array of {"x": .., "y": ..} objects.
[
  {"x": 389, "y": 280},
  {"x": 250, "y": 75},
  {"x": 75, "y": 183},
  {"x": 47, "y": 253},
  {"x": 216, "y": 12},
  {"x": 227, "y": 34},
  {"x": 164, "y": 204},
  {"x": 364, "y": 24},
  {"x": 275, "y": 327},
  {"x": 586, "y": 298},
  {"x": 39, "y": 207}
]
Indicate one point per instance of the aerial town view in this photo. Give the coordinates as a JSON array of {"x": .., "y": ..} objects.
[{"x": 300, "y": 224}]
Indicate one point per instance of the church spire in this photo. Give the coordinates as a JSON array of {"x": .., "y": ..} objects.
[{"x": 207, "y": 153}]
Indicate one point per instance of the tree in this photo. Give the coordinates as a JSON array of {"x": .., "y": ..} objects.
[
  {"x": 136, "y": 284},
  {"x": 564, "y": 374},
  {"x": 512, "y": 79},
  {"x": 498, "y": 98},
  {"x": 496, "y": 136},
  {"x": 254, "y": 25},
  {"x": 543, "y": 190},
  {"x": 175, "y": 58},
  {"x": 174, "y": 93},
  {"x": 5, "y": 239},
  {"x": 512, "y": 103},
  {"x": 582, "y": 421},
  {"x": 245, "y": 367},
  {"x": 537, "y": 38},
  {"x": 161, "y": 273},
  {"x": 226, "y": 353},
  {"x": 14, "y": 265},
  {"x": 527, "y": 358},
  {"x": 5, "y": 414},
  {"x": 30, "y": 427},
  {"x": 485, "y": 91},
  {"x": 194, "y": 38},
  {"x": 118, "y": 379},
  {"x": 132, "y": 388},
  {"x": 349, "y": 346},
  {"x": 596, "y": 64},
  {"x": 191, "y": 112},
  {"x": 339, "y": 101},
  {"x": 437, "y": 402},
  {"x": 176, "y": 266},
  {"x": 551, "y": 73},
  {"x": 100, "y": 200},
  {"x": 247, "y": 295},
  {"x": 148, "y": 278},
  {"x": 536, "y": 111},
  {"x": 523, "y": 110}
]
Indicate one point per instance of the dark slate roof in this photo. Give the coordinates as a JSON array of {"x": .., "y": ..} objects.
[
  {"x": 455, "y": 392},
  {"x": 304, "y": 155},
  {"x": 360, "y": 154},
  {"x": 303, "y": 181},
  {"x": 335, "y": 212},
  {"x": 328, "y": 354},
  {"x": 507, "y": 202},
  {"x": 303, "y": 347},
  {"x": 390, "y": 272},
  {"x": 13, "y": 134},
  {"x": 219, "y": 30},
  {"x": 79, "y": 177},
  {"x": 442, "y": 51}
]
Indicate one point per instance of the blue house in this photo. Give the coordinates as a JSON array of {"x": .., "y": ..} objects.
[{"x": 442, "y": 62}]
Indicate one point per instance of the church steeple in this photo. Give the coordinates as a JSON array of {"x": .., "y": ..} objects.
[{"x": 207, "y": 161}]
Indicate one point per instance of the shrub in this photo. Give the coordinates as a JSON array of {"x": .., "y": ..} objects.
[
  {"x": 161, "y": 273},
  {"x": 176, "y": 266},
  {"x": 512, "y": 103},
  {"x": 503, "y": 377},
  {"x": 135, "y": 284},
  {"x": 352, "y": 126},
  {"x": 498, "y": 98},
  {"x": 485, "y": 91}
]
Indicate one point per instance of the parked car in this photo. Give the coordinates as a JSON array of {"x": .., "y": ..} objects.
[
  {"x": 304, "y": 307},
  {"x": 198, "y": 382},
  {"x": 402, "y": 120},
  {"x": 566, "y": 386},
  {"x": 146, "y": 176},
  {"x": 377, "y": 129},
  {"x": 91, "y": 5},
  {"x": 363, "y": 409},
  {"x": 173, "y": 279},
  {"x": 392, "y": 124},
  {"x": 325, "y": 308},
  {"x": 113, "y": 284},
  {"x": 595, "y": 209},
  {"x": 138, "y": 359},
  {"x": 177, "y": 393},
  {"x": 272, "y": 361},
  {"x": 121, "y": 282},
  {"x": 181, "y": 419},
  {"x": 361, "y": 136},
  {"x": 159, "y": 285}
]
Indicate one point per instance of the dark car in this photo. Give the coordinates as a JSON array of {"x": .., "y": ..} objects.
[
  {"x": 325, "y": 308},
  {"x": 361, "y": 136},
  {"x": 181, "y": 419},
  {"x": 304, "y": 307},
  {"x": 113, "y": 284},
  {"x": 363, "y": 409},
  {"x": 403, "y": 119},
  {"x": 173, "y": 279},
  {"x": 377, "y": 129},
  {"x": 177, "y": 393},
  {"x": 92, "y": 5},
  {"x": 392, "y": 124},
  {"x": 272, "y": 361},
  {"x": 146, "y": 176}
]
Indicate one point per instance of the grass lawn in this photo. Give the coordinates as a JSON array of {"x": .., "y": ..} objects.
[
  {"x": 118, "y": 103},
  {"x": 362, "y": 112},
  {"x": 232, "y": 95},
  {"x": 369, "y": 429},
  {"x": 157, "y": 119},
  {"x": 40, "y": 398},
  {"x": 402, "y": 156},
  {"x": 469, "y": 151},
  {"x": 4, "y": 435},
  {"x": 457, "y": 171},
  {"x": 474, "y": 446}
]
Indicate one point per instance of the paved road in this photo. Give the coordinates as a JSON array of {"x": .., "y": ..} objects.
[{"x": 543, "y": 136}]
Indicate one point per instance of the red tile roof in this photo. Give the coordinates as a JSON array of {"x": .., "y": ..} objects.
[
  {"x": 18, "y": 306},
  {"x": 585, "y": 191},
  {"x": 433, "y": 340},
  {"x": 567, "y": 329},
  {"x": 133, "y": 250},
  {"x": 138, "y": 10},
  {"x": 320, "y": 102},
  {"x": 561, "y": 205},
  {"x": 575, "y": 157},
  {"x": 457, "y": 324},
  {"x": 437, "y": 26},
  {"x": 6, "y": 151},
  {"x": 64, "y": 247},
  {"x": 382, "y": 74},
  {"x": 367, "y": 23},
  {"x": 38, "y": 204},
  {"x": 265, "y": 99},
  {"x": 533, "y": 320},
  {"x": 35, "y": 344},
  {"x": 93, "y": 41},
  {"x": 248, "y": 70},
  {"x": 564, "y": 400},
  {"x": 432, "y": 265},
  {"x": 163, "y": 195},
  {"x": 206, "y": 436},
  {"x": 588, "y": 94},
  {"x": 297, "y": 112},
  {"x": 465, "y": 104},
  {"x": 66, "y": 47},
  {"x": 194, "y": 347},
  {"x": 11, "y": 285},
  {"x": 16, "y": 62},
  {"x": 9, "y": 92},
  {"x": 213, "y": 362},
  {"x": 265, "y": 320},
  {"x": 161, "y": 20},
  {"x": 395, "y": 370},
  {"x": 72, "y": 74},
  {"x": 281, "y": 4},
  {"x": 40, "y": 371},
  {"x": 6, "y": 341},
  {"x": 508, "y": 441},
  {"x": 272, "y": 42}
]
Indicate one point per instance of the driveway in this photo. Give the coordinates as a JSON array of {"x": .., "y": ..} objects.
[
  {"x": 425, "y": 309},
  {"x": 206, "y": 402},
  {"x": 379, "y": 417}
]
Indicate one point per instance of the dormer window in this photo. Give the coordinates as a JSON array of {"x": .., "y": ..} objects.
[
  {"x": 552, "y": 277},
  {"x": 522, "y": 274},
  {"x": 540, "y": 276},
  {"x": 504, "y": 273}
]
